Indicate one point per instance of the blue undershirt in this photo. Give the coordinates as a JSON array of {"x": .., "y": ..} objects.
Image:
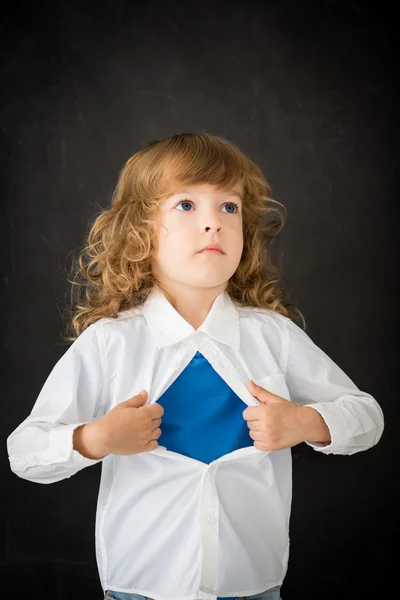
[{"x": 202, "y": 415}]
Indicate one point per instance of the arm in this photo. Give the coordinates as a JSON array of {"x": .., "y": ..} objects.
[
  {"x": 349, "y": 420},
  {"x": 317, "y": 431},
  {"x": 41, "y": 449},
  {"x": 85, "y": 441}
]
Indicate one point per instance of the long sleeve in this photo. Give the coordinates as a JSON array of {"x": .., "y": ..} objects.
[
  {"x": 41, "y": 449},
  {"x": 354, "y": 418}
]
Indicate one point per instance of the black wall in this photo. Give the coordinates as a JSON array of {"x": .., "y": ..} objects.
[{"x": 307, "y": 90}]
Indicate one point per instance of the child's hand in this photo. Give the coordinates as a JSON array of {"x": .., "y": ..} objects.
[
  {"x": 278, "y": 423},
  {"x": 129, "y": 427}
]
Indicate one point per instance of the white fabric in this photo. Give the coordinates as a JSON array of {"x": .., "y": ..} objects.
[{"x": 168, "y": 526}]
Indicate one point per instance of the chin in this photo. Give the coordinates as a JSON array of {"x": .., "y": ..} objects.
[{"x": 210, "y": 283}]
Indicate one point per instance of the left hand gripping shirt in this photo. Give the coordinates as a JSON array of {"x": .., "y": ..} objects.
[{"x": 198, "y": 518}]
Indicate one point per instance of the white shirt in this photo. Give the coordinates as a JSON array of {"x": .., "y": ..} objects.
[{"x": 169, "y": 526}]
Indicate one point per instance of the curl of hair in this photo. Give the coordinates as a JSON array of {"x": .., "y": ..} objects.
[{"x": 113, "y": 271}]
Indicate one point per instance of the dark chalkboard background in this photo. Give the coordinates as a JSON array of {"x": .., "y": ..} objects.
[{"x": 307, "y": 90}]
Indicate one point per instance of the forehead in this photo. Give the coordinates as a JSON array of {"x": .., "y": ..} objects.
[{"x": 201, "y": 189}]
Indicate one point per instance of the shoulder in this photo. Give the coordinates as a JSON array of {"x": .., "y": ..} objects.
[
  {"x": 108, "y": 337},
  {"x": 267, "y": 315},
  {"x": 263, "y": 323},
  {"x": 270, "y": 324},
  {"x": 258, "y": 315},
  {"x": 124, "y": 323}
]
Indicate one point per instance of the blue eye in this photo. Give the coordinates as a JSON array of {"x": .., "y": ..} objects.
[
  {"x": 191, "y": 204},
  {"x": 183, "y": 202},
  {"x": 233, "y": 204}
]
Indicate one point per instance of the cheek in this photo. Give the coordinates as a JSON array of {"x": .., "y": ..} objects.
[
  {"x": 175, "y": 231},
  {"x": 174, "y": 241},
  {"x": 237, "y": 237}
]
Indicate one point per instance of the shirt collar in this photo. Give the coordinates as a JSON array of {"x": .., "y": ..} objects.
[{"x": 168, "y": 327}]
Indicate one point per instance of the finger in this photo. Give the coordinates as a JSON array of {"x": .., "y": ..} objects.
[
  {"x": 252, "y": 422},
  {"x": 155, "y": 434},
  {"x": 256, "y": 427},
  {"x": 256, "y": 435},
  {"x": 156, "y": 410},
  {"x": 156, "y": 415}
]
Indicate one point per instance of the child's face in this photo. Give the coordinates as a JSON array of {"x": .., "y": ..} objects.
[{"x": 192, "y": 218}]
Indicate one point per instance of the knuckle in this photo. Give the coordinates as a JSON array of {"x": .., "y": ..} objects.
[{"x": 261, "y": 446}]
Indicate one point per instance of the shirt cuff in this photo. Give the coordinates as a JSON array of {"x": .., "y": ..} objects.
[
  {"x": 60, "y": 451},
  {"x": 337, "y": 426}
]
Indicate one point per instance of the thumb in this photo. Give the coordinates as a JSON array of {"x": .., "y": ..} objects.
[
  {"x": 137, "y": 400},
  {"x": 259, "y": 392}
]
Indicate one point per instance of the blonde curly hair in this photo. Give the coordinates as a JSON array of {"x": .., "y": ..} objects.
[{"x": 113, "y": 272}]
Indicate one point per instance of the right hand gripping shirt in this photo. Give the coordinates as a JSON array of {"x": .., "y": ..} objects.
[{"x": 206, "y": 514}]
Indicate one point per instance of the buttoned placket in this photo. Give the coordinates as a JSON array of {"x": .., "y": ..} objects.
[
  {"x": 209, "y": 528},
  {"x": 209, "y": 505},
  {"x": 201, "y": 342}
]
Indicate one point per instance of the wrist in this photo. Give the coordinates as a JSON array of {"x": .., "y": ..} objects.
[
  {"x": 315, "y": 429},
  {"x": 88, "y": 441}
]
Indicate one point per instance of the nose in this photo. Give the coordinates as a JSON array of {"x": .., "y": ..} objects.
[{"x": 212, "y": 220}]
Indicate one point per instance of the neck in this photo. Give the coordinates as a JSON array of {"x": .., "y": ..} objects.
[{"x": 193, "y": 304}]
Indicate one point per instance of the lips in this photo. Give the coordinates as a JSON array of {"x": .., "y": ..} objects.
[
  {"x": 212, "y": 247},
  {"x": 211, "y": 251}
]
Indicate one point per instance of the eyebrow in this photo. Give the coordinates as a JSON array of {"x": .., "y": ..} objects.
[
  {"x": 229, "y": 193},
  {"x": 237, "y": 194}
]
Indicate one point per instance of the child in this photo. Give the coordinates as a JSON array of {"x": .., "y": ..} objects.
[{"x": 195, "y": 493}]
